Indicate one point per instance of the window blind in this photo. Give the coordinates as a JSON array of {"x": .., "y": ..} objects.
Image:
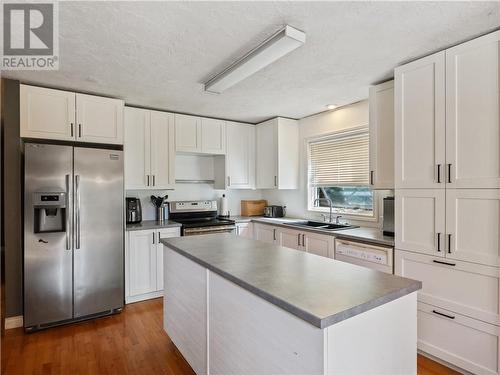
[{"x": 341, "y": 160}]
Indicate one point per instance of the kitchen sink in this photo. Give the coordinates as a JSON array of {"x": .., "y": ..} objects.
[{"x": 322, "y": 225}]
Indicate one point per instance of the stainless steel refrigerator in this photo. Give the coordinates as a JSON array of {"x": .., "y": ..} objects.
[{"x": 73, "y": 234}]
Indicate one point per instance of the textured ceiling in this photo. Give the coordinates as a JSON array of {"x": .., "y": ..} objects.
[{"x": 158, "y": 54}]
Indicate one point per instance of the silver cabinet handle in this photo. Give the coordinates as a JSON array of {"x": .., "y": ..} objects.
[
  {"x": 298, "y": 239},
  {"x": 68, "y": 213},
  {"x": 438, "y": 241},
  {"x": 77, "y": 210},
  {"x": 79, "y": 130},
  {"x": 303, "y": 240},
  {"x": 153, "y": 238},
  {"x": 71, "y": 129},
  {"x": 148, "y": 179},
  {"x": 439, "y": 173},
  {"x": 449, "y": 243},
  {"x": 445, "y": 263},
  {"x": 275, "y": 180},
  {"x": 274, "y": 234},
  {"x": 449, "y": 173},
  {"x": 154, "y": 180},
  {"x": 228, "y": 180},
  {"x": 371, "y": 177}
]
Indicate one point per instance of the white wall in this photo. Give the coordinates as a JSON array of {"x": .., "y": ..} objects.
[
  {"x": 344, "y": 118},
  {"x": 191, "y": 191}
]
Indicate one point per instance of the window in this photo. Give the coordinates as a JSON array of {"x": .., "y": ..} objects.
[{"x": 338, "y": 170}]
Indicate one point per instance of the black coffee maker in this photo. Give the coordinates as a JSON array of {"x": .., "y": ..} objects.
[{"x": 134, "y": 210}]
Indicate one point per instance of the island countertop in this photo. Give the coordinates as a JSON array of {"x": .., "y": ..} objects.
[{"x": 319, "y": 290}]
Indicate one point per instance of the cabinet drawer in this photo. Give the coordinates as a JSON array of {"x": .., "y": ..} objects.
[
  {"x": 467, "y": 343},
  {"x": 466, "y": 288}
]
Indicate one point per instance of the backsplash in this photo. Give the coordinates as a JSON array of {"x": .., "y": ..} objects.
[{"x": 191, "y": 191}]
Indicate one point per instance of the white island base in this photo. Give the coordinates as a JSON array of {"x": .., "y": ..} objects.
[{"x": 221, "y": 328}]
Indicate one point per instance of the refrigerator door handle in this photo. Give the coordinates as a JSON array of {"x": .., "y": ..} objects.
[
  {"x": 68, "y": 215},
  {"x": 77, "y": 211}
]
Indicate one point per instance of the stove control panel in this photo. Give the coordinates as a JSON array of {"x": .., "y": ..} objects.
[{"x": 193, "y": 206}]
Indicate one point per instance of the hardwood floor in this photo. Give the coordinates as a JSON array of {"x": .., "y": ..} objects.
[{"x": 132, "y": 342}]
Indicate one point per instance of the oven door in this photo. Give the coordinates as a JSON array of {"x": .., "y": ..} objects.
[{"x": 208, "y": 230}]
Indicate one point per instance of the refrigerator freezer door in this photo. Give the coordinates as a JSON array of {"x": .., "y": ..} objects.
[
  {"x": 48, "y": 282},
  {"x": 99, "y": 231}
]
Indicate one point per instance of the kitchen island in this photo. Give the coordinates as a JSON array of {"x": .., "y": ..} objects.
[{"x": 239, "y": 306}]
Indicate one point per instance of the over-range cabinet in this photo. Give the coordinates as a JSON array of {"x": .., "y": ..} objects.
[{"x": 73, "y": 234}]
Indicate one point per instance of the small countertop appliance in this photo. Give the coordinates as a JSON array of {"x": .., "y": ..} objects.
[
  {"x": 134, "y": 210},
  {"x": 275, "y": 211}
]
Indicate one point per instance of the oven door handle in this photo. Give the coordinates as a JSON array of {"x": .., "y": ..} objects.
[{"x": 190, "y": 231}]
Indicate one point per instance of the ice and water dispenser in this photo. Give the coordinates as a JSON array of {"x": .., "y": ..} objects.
[{"x": 49, "y": 212}]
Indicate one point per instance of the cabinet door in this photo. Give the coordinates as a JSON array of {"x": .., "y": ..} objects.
[
  {"x": 136, "y": 148},
  {"x": 163, "y": 233},
  {"x": 267, "y": 151},
  {"x": 47, "y": 113},
  {"x": 473, "y": 112},
  {"x": 318, "y": 244},
  {"x": 100, "y": 120},
  {"x": 382, "y": 136},
  {"x": 289, "y": 238},
  {"x": 240, "y": 157},
  {"x": 142, "y": 257},
  {"x": 420, "y": 123},
  {"x": 265, "y": 233},
  {"x": 187, "y": 133},
  {"x": 453, "y": 285},
  {"x": 162, "y": 150},
  {"x": 420, "y": 220},
  {"x": 473, "y": 225},
  {"x": 213, "y": 136},
  {"x": 467, "y": 343},
  {"x": 244, "y": 230}
]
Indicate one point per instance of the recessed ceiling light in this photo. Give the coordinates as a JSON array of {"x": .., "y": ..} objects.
[
  {"x": 272, "y": 49},
  {"x": 331, "y": 106}
]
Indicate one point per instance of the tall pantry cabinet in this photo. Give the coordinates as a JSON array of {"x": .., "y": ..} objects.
[{"x": 447, "y": 180}]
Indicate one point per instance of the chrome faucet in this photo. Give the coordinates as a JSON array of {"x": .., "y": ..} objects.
[
  {"x": 329, "y": 203},
  {"x": 337, "y": 219}
]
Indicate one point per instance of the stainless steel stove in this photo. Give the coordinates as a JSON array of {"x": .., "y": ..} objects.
[{"x": 199, "y": 217}]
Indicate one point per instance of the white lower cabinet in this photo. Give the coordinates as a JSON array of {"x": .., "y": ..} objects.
[
  {"x": 464, "y": 342},
  {"x": 244, "y": 230},
  {"x": 265, "y": 233},
  {"x": 314, "y": 243},
  {"x": 458, "y": 314},
  {"x": 144, "y": 263}
]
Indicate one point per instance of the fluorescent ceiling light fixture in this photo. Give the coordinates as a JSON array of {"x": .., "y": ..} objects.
[{"x": 272, "y": 49}]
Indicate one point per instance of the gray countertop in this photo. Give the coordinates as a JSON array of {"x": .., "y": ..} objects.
[
  {"x": 152, "y": 224},
  {"x": 319, "y": 290},
  {"x": 365, "y": 234}
]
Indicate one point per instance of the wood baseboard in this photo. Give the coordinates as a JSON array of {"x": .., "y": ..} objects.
[{"x": 14, "y": 322}]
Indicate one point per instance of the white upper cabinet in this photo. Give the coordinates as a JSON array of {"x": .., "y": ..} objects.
[
  {"x": 47, "y": 113},
  {"x": 99, "y": 120},
  {"x": 420, "y": 123},
  {"x": 213, "y": 136},
  {"x": 420, "y": 221},
  {"x": 64, "y": 115},
  {"x": 277, "y": 151},
  {"x": 137, "y": 148},
  {"x": 240, "y": 157},
  {"x": 187, "y": 133},
  {"x": 162, "y": 150},
  {"x": 200, "y": 135},
  {"x": 382, "y": 136},
  {"x": 473, "y": 113},
  {"x": 149, "y": 149},
  {"x": 473, "y": 225}
]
